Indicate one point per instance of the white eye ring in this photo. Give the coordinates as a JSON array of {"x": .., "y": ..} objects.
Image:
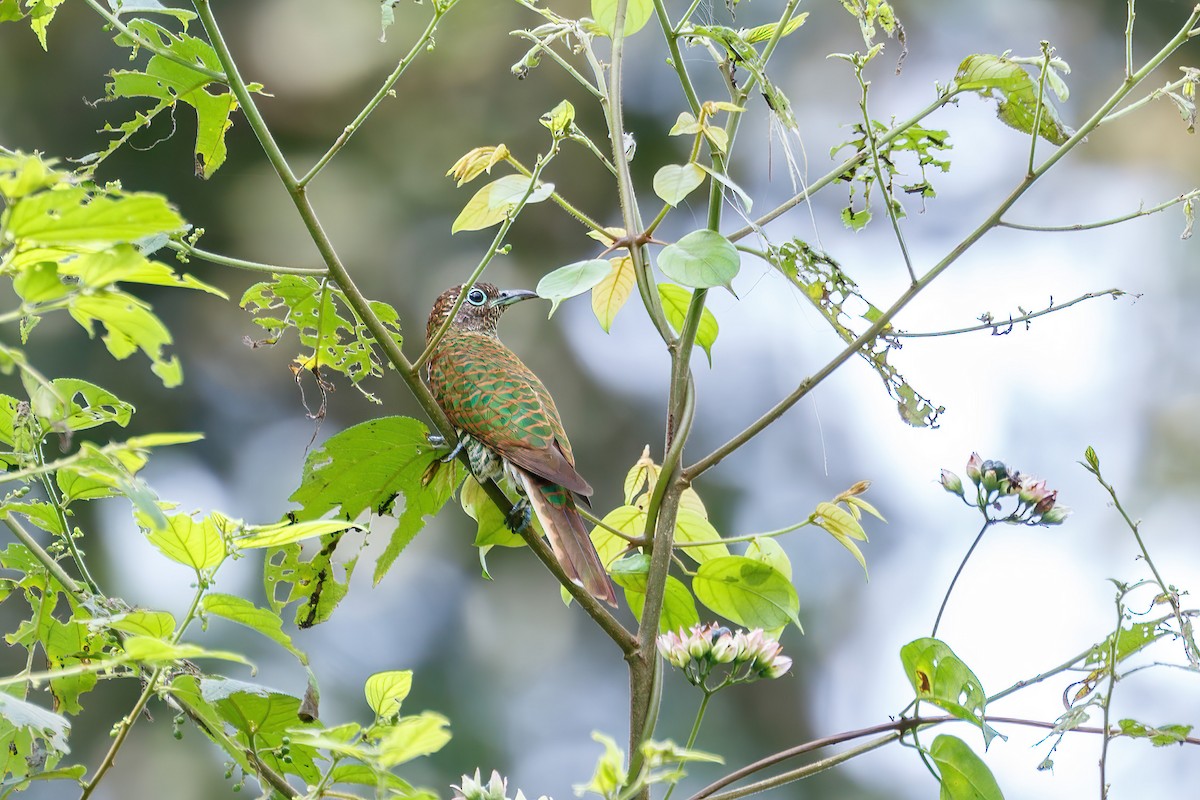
[{"x": 476, "y": 297}]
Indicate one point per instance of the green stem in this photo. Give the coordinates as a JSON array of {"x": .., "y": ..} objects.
[
  {"x": 962, "y": 564},
  {"x": 692, "y": 736},
  {"x": 73, "y": 587},
  {"x": 55, "y": 500},
  {"x": 1087, "y": 226},
  {"x": 1106, "y": 704},
  {"x": 122, "y": 732},
  {"x": 238, "y": 263},
  {"x": 439, "y": 11}
]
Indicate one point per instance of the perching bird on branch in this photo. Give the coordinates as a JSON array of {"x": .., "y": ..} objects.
[{"x": 509, "y": 426}]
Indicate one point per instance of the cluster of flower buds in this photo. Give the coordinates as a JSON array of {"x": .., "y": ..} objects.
[
  {"x": 496, "y": 788},
  {"x": 749, "y": 655},
  {"x": 1036, "y": 503}
]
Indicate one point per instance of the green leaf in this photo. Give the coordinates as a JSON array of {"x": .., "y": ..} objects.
[
  {"x": 763, "y": 33},
  {"x": 312, "y": 579},
  {"x": 679, "y": 609},
  {"x": 45, "y": 725},
  {"x": 690, "y": 526},
  {"x": 385, "y": 691},
  {"x": 1159, "y": 736},
  {"x": 262, "y": 715},
  {"x": 702, "y": 259},
  {"x": 1015, "y": 90},
  {"x": 492, "y": 530},
  {"x": 770, "y": 552},
  {"x": 76, "y": 217},
  {"x": 748, "y": 592},
  {"x": 964, "y": 775},
  {"x": 126, "y": 263},
  {"x": 243, "y": 612},
  {"x": 855, "y": 220},
  {"x": 629, "y": 520},
  {"x": 39, "y": 283},
  {"x": 571, "y": 280},
  {"x": 197, "y": 544},
  {"x": 559, "y": 118},
  {"x": 168, "y": 83},
  {"x": 148, "y": 650},
  {"x": 130, "y": 326},
  {"x": 676, "y": 181},
  {"x": 22, "y": 174},
  {"x": 940, "y": 677},
  {"x": 609, "y": 295},
  {"x": 282, "y": 533},
  {"x": 637, "y": 14},
  {"x": 153, "y": 624},
  {"x": 412, "y": 737},
  {"x": 496, "y": 200},
  {"x": 367, "y": 467},
  {"x": 675, "y": 302},
  {"x": 70, "y": 404}
]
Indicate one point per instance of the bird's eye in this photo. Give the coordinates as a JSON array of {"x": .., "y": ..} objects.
[{"x": 476, "y": 297}]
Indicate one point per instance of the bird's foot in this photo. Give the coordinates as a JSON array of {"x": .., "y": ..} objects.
[
  {"x": 439, "y": 441},
  {"x": 519, "y": 517}
]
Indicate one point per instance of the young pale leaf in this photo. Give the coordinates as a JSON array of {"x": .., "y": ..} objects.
[
  {"x": 841, "y": 525},
  {"x": 243, "y": 612},
  {"x": 129, "y": 326},
  {"x": 571, "y": 280},
  {"x": 764, "y": 32},
  {"x": 282, "y": 533},
  {"x": 629, "y": 520},
  {"x": 496, "y": 200},
  {"x": 366, "y": 467},
  {"x": 559, "y": 118},
  {"x": 964, "y": 775},
  {"x": 197, "y": 544},
  {"x": 675, "y": 301},
  {"x": 674, "y": 182},
  {"x": 492, "y": 530},
  {"x": 385, "y": 691},
  {"x": 155, "y": 624},
  {"x": 690, "y": 526},
  {"x": 148, "y": 650},
  {"x": 748, "y": 592},
  {"x": 610, "y": 294},
  {"x": 637, "y": 13},
  {"x": 685, "y": 124},
  {"x": 940, "y": 677},
  {"x": 724, "y": 180},
  {"x": 702, "y": 259},
  {"x": 412, "y": 737}
]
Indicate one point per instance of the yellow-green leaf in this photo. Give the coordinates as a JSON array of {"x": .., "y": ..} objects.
[
  {"x": 385, "y": 691},
  {"x": 609, "y": 296},
  {"x": 675, "y": 301},
  {"x": 674, "y": 182},
  {"x": 748, "y": 592},
  {"x": 412, "y": 737},
  {"x": 637, "y": 13},
  {"x": 692, "y": 527},
  {"x": 496, "y": 200},
  {"x": 197, "y": 544}
]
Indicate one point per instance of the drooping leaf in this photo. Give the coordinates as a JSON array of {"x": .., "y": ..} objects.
[
  {"x": 702, "y": 259},
  {"x": 942, "y": 678},
  {"x": 571, "y": 280},
  {"x": 286, "y": 532},
  {"x": 315, "y": 579},
  {"x": 964, "y": 775},
  {"x": 748, "y": 592},
  {"x": 243, "y": 612},
  {"x": 675, "y": 302},
  {"x": 129, "y": 326},
  {"x": 769, "y": 551},
  {"x": 1016, "y": 93}
]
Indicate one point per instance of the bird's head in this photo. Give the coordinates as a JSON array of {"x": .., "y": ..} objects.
[{"x": 480, "y": 310}]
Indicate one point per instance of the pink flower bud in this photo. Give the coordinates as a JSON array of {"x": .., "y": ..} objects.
[{"x": 952, "y": 483}]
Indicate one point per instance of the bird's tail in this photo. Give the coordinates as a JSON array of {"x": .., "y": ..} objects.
[{"x": 555, "y": 509}]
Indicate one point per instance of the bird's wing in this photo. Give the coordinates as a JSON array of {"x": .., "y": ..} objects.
[{"x": 489, "y": 393}]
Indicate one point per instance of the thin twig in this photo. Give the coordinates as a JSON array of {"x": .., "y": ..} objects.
[
  {"x": 1011, "y": 321},
  {"x": 239, "y": 263}
]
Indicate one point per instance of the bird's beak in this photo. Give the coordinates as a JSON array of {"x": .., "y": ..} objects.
[{"x": 509, "y": 296}]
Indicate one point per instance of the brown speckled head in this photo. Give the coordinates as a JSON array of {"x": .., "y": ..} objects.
[{"x": 480, "y": 310}]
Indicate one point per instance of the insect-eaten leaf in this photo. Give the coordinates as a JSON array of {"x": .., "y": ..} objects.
[
  {"x": 1008, "y": 82},
  {"x": 571, "y": 280}
]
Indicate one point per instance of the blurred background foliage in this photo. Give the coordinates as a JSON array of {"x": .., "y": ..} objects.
[{"x": 524, "y": 679}]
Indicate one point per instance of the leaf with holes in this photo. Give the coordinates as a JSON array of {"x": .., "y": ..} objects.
[{"x": 940, "y": 677}]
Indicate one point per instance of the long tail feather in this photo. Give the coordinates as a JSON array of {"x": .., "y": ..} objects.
[{"x": 555, "y": 509}]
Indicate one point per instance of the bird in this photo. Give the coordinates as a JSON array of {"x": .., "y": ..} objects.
[{"x": 510, "y": 427}]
